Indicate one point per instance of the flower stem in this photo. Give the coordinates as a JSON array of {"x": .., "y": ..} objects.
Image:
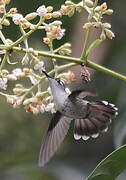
[
  {"x": 3, "y": 38},
  {"x": 3, "y": 61},
  {"x": 83, "y": 55}
]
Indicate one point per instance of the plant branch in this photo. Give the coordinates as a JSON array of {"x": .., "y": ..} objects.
[
  {"x": 4, "y": 61},
  {"x": 3, "y": 38},
  {"x": 105, "y": 70},
  {"x": 26, "y": 35},
  {"x": 89, "y": 63},
  {"x": 74, "y": 60}
]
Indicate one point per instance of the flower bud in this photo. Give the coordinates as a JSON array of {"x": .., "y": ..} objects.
[
  {"x": 2, "y": 9},
  {"x": 109, "y": 12},
  {"x": 13, "y": 11},
  {"x": 64, "y": 10},
  {"x": 26, "y": 70},
  {"x": 5, "y": 72},
  {"x": 31, "y": 16},
  {"x": 2, "y": 2},
  {"x": 103, "y": 36},
  {"x": 89, "y": 3},
  {"x": 26, "y": 25},
  {"x": 69, "y": 3},
  {"x": 65, "y": 51},
  {"x": 19, "y": 86},
  {"x": 17, "y": 18},
  {"x": 35, "y": 110},
  {"x": 46, "y": 40},
  {"x": 97, "y": 24},
  {"x": 56, "y": 23},
  {"x": 7, "y": 1},
  {"x": 87, "y": 25},
  {"x": 71, "y": 12},
  {"x": 11, "y": 77},
  {"x": 42, "y": 108},
  {"x": 49, "y": 9},
  {"x": 18, "y": 91},
  {"x": 104, "y": 6},
  {"x": 109, "y": 33},
  {"x": 98, "y": 9},
  {"x": 48, "y": 16},
  {"x": 27, "y": 101},
  {"x": 6, "y": 22},
  {"x": 107, "y": 25},
  {"x": 56, "y": 14},
  {"x": 42, "y": 10},
  {"x": 79, "y": 7},
  {"x": 10, "y": 100}
]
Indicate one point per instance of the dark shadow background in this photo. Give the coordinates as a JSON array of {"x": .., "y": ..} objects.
[{"x": 21, "y": 133}]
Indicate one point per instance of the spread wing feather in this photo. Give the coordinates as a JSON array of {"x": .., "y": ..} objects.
[{"x": 57, "y": 130}]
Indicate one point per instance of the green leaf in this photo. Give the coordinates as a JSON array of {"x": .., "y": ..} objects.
[
  {"x": 95, "y": 44},
  {"x": 111, "y": 166}
]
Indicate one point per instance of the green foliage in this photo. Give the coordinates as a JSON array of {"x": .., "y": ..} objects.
[{"x": 111, "y": 166}]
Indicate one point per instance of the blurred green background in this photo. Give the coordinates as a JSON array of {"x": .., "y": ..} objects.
[{"x": 21, "y": 133}]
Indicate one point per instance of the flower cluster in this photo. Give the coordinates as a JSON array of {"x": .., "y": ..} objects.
[
  {"x": 25, "y": 77},
  {"x": 53, "y": 31},
  {"x": 97, "y": 14},
  {"x": 67, "y": 77}
]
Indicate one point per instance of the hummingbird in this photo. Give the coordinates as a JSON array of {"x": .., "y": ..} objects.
[{"x": 91, "y": 118}]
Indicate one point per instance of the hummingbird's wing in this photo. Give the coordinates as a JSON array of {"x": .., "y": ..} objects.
[
  {"x": 99, "y": 116},
  {"x": 57, "y": 130},
  {"x": 81, "y": 94}
]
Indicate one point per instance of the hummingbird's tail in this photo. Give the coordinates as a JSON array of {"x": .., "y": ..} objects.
[{"x": 99, "y": 116}]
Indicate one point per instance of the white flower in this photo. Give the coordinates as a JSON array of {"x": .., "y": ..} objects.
[
  {"x": 39, "y": 66},
  {"x": 42, "y": 10},
  {"x": 11, "y": 99},
  {"x": 3, "y": 83},
  {"x": 42, "y": 108},
  {"x": 50, "y": 107},
  {"x": 61, "y": 34},
  {"x": 33, "y": 79},
  {"x": 17, "y": 73},
  {"x": 17, "y": 18},
  {"x": 11, "y": 77}
]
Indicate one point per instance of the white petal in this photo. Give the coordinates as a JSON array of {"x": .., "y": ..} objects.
[
  {"x": 77, "y": 137},
  {"x": 85, "y": 138},
  {"x": 95, "y": 135}
]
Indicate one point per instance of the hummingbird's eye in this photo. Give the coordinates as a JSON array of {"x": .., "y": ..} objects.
[{"x": 60, "y": 82}]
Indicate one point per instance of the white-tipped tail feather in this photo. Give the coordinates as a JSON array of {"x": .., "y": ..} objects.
[{"x": 100, "y": 114}]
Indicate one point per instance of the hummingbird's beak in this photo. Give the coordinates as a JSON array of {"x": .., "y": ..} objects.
[{"x": 46, "y": 74}]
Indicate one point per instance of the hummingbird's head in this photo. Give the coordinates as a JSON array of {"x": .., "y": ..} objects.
[{"x": 55, "y": 83}]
